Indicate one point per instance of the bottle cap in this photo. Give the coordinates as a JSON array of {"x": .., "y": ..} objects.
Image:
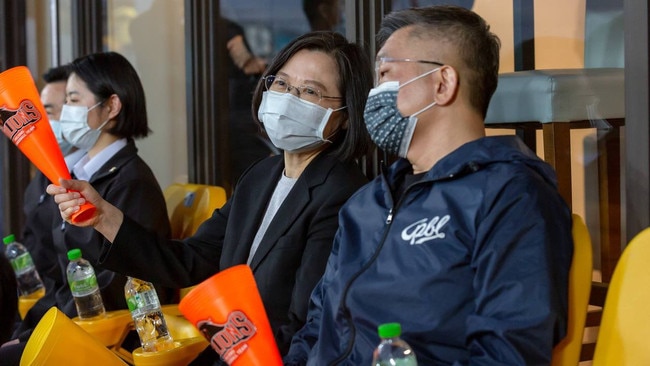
[
  {"x": 389, "y": 330},
  {"x": 9, "y": 239},
  {"x": 74, "y": 254}
]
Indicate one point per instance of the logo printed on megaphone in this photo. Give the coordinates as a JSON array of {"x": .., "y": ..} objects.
[
  {"x": 17, "y": 124},
  {"x": 229, "y": 340}
]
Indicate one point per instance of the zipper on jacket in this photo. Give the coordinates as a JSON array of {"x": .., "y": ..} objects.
[{"x": 343, "y": 305}]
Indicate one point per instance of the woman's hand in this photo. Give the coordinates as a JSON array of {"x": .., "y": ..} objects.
[{"x": 71, "y": 194}]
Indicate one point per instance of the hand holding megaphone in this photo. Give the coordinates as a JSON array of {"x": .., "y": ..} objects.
[{"x": 24, "y": 121}]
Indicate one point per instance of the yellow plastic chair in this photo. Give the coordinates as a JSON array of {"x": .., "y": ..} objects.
[
  {"x": 27, "y": 302},
  {"x": 625, "y": 326},
  {"x": 188, "y": 341},
  {"x": 57, "y": 340},
  {"x": 567, "y": 352},
  {"x": 188, "y": 205}
]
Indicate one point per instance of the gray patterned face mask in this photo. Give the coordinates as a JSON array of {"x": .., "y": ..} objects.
[{"x": 388, "y": 128}]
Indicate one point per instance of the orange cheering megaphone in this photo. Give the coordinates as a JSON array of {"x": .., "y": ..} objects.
[{"x": 24, "y": 121}]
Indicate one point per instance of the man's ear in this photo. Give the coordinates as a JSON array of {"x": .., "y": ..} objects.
[{"x": 447, "y": 85}]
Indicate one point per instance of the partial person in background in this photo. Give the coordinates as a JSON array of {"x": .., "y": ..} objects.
[
  {"x": 282, "y": 216},
  {"x": 39, "y": 208},
  {"x": 322, "y": 14},
  {"x": 8, "y": 299},
  {"x": 465, "y": 240},
  {"x": 105, "y": 112}
]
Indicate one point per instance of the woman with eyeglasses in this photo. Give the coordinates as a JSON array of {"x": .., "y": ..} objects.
[{"x": 282, "y": 216}]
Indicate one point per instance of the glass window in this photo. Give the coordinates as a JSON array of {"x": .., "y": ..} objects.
[{"x": 150, "y": 34}]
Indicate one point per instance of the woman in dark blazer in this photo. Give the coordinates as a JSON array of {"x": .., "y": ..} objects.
[
  {"x": 103, "y": 116},
  {"x": 282, "y": 217}
]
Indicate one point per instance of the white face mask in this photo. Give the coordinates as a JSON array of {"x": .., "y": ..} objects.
[
  {"x": 75, "y": 129},
  {"x": 293, "y": 124},
  {"x": 64, "y": 145}
]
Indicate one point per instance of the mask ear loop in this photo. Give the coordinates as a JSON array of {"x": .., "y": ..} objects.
[
  {"x": 417, "y": 78},
  {"x": 103, "y": 123},
  {"x": 327, "y": 139}
]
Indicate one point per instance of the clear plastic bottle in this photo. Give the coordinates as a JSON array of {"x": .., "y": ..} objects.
[
  {"x": 392, "y": 350},
  {"x": 84, "y": 288},
  {"x": 142, "y": 299},
  {"x": 29, "y": 282}
]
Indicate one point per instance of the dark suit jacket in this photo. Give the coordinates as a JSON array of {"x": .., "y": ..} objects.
[
  {"x": 291, "y": 257},
  {"x": 127, "y": 182}
]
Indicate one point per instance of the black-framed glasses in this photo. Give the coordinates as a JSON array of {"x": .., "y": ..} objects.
[
  {"x": 382, "y": 59},
  {"x": 304, "y": 92}
]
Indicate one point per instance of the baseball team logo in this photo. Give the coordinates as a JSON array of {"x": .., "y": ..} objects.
[
  {"x": 229, "y": 340},
  {"x": 17, "y": 124}
]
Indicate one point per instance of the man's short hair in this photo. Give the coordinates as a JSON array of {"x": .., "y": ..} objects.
[
  {"x": 476, "y": 46},
  {"x": 57, "y": 73}
]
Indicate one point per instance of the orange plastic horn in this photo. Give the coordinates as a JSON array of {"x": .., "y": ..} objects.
[
  {"x": 227, "y": 309},
  {"x": 24, "y": 121}
]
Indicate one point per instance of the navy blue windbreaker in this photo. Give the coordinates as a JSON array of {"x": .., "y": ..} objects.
[{"x": 472, "y": 260}]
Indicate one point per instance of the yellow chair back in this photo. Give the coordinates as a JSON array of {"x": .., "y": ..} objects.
[
  {"x": 567, "y": 352},
  {"x": 625, "y": 326},
  {"x": 188, "y": 205}
]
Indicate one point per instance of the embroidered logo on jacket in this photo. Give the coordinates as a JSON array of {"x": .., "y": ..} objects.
[{"x": 424, "y": 230}]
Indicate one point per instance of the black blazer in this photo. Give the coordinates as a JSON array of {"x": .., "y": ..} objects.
[
  {"x": 291, "y": 257},
  {"x": 126, "y": 182}
]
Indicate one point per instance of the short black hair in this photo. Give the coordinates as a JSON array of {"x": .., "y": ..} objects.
[
  {"x": 354, "y": 82},
  {"x": 108, "y": 73},
  {"x": 476, "y": 45},
  {"x": 57, "y": 73}
]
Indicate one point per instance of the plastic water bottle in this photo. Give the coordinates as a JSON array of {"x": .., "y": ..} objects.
[
  {"x": 142, "y": 299},
  {"x": 29, "y": 282},
  {"x": 392, "y": 350},
  {"x": 84, "y": 288}
]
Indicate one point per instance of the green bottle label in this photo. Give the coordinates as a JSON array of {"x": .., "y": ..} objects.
[
  {"x": 142, "y": 302},
  {"x": 22, "y": 263},
  {"x": 84, "y": 286}
]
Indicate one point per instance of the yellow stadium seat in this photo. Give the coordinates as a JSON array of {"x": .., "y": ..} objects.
[
  {"x": 188, "y": 205},
  {"x": 625, "y": 326}
]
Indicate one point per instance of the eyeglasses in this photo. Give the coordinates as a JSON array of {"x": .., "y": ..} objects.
[
  {"x": 381, "y": 60},
  {"x": 304, "y": 92}
]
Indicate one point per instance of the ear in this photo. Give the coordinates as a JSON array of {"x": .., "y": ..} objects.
[
  {"x": 447, "y": 86},
  {"x": 114, "y": 105}
]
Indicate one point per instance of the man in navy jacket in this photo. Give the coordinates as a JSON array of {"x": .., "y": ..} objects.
[{"x": 465, "y": 240}]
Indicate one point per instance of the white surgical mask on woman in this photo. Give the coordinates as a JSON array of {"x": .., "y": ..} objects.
[
  {"x": 75, "y": 129},
  {"x": 293, "y": 124}
]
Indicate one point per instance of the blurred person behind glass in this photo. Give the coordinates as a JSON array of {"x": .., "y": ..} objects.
[
  {"x": 282, "y": 216},
  {"x": 322, "y": 14}
]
